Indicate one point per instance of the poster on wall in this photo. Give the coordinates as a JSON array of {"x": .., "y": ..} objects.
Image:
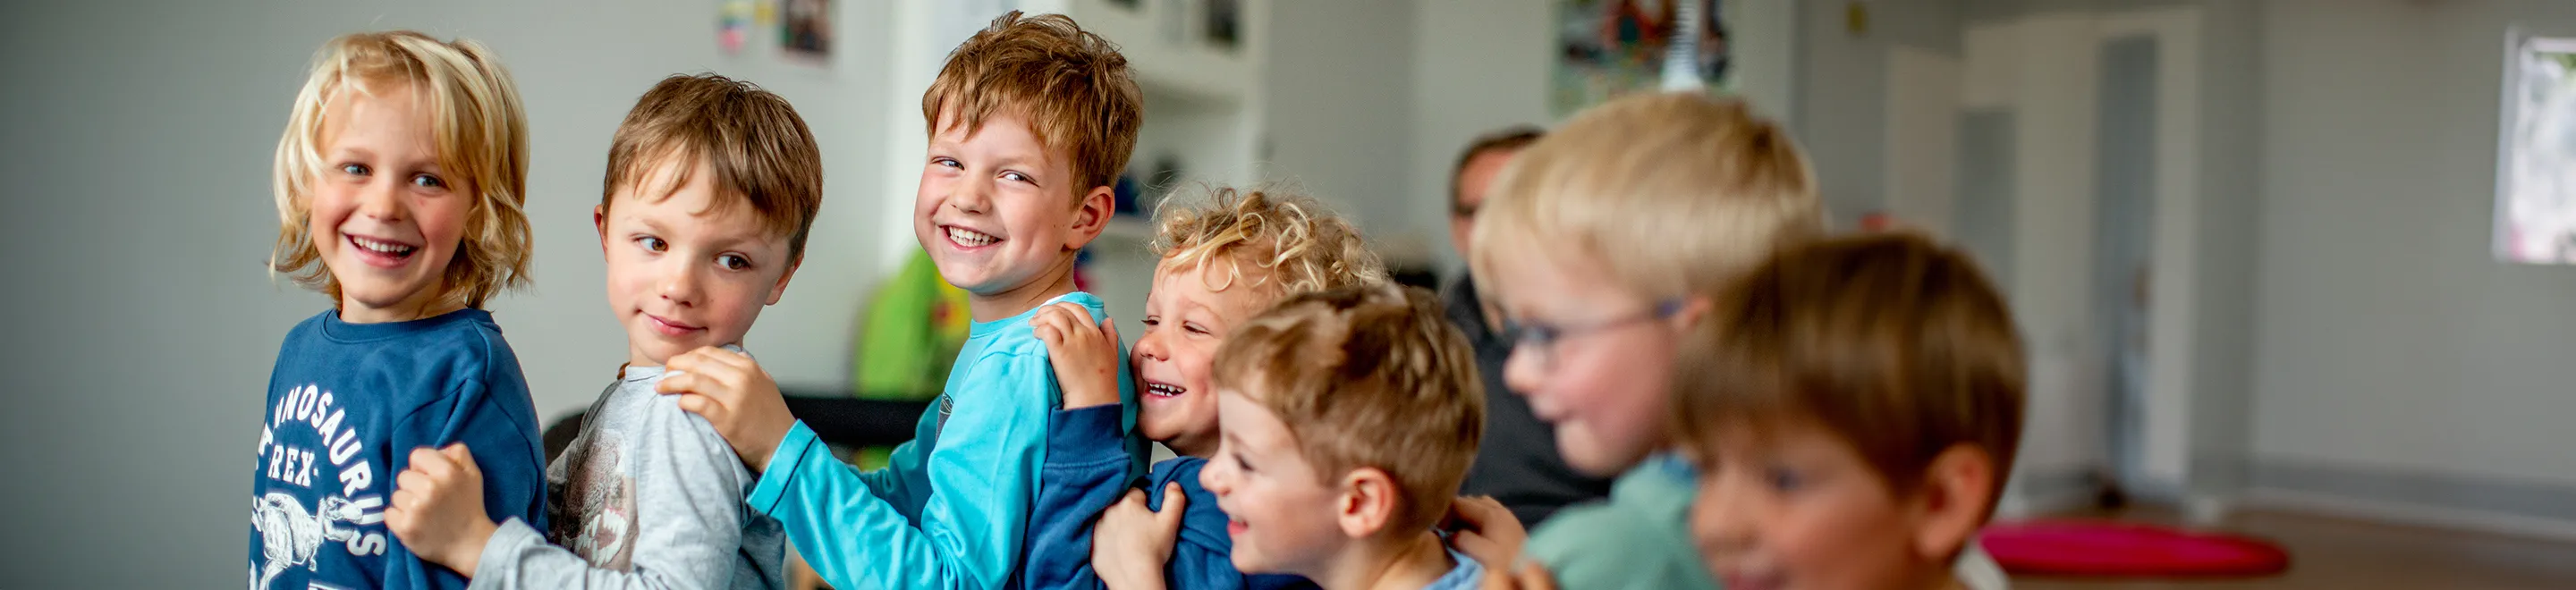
[
  {"x": 1606, "y": 48},
  {"x": 2536, "y": 171},
  {"x": 805, "y": 28}
]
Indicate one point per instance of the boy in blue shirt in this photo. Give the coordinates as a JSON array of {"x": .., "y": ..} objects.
[
  {"x": 1030, "y": 122},
  {"x": 1222, "y": 263},
  {"x": 400, "y": 180}
]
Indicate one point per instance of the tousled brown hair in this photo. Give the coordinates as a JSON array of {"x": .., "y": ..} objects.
[
  {"x": 758, "y": 147},
  {"x": 1367, "y": 376},
  {"x": 1072, "y": 86},
  {"x": 1898, "y": 345}
]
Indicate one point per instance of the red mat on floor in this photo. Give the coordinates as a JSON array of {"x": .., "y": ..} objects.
[{"x": 2105, "y": 548}]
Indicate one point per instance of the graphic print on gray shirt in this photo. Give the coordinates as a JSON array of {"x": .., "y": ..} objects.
[{"x": 648, "y": 496}]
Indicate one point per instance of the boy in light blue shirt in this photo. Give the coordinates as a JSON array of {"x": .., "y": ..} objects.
[{"x": 1030, "y": 122}]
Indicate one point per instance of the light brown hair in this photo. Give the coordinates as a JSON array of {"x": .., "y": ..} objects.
[
  {"x": 481, "y": 134},
  {"x": 1072, "y": 86},
  {"x": 759, "y": 149},
  {"x": 1895, "y": 344},
  {"x": 1672, "y": 194},
  {"x": 1367, "y": 376},
  {"x": 1294, "y": 242}
]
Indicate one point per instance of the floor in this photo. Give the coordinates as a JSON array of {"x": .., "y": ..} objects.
[{"x": 2328, "y": 552}]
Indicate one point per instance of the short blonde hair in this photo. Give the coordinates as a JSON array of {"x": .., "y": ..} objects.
[
  {"x": 1073, "y": 87},
  {"x": 1671, "y": 193},
  {"x": 1899, "y": 346},
  {"x": 1296, "y": 242},
  {"x": 760, "y": 150},
  {"x": 481, "y": 135},
  {"x": 1367, "y": 376}
]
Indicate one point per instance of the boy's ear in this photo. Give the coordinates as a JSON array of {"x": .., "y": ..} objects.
[
  {"x": 599, "y": 219},
  {"x": 1090, "y": 216},
  {"x": 1950, "y": 503},
  {"x": 780, "y": 290},
  {"x": 1368, "y": 501}
]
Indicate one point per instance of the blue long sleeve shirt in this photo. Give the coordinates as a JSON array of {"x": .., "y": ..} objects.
[
  {"x": 1085, "y": 474},
  {"x": 347, "y": 404},
  {"x": 952, "y": 508}
]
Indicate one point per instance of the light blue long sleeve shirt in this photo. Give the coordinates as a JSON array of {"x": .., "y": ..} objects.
[{"x": 952, "y": 508}]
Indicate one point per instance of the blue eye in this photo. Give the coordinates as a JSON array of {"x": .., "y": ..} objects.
[
  {"x": 1015, "y": 176},
  {"x": 946, "y": 163},
  {"x": 653, "y": 243},
  {"x": 1784, "y": 479},
  {"x": 354, "y": 169},
  {"x": 734, "y": 262},
  {"x": 427, "y": 181}
]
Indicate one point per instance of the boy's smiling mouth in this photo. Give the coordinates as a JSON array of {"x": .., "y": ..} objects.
[
  {"x": 969, "y": 239},
  {"x": 380, "y": 252},
  {"x": 1161, "y": 389}
]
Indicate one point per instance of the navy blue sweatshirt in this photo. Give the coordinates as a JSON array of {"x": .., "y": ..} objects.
[
  {"x": 1085, "y": 474},
  {"x": 347, "y": 403}
]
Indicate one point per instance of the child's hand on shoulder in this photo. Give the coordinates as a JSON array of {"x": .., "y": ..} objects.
[
  {"x": 1132, "y": 542},
  {"x": 736, "y": 396},
  {"x": 1484, "y": 529},
  {"x": 1083, "y": 352},
  {"x": 437, "y": 508}
]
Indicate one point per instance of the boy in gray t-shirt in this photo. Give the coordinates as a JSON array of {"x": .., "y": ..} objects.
[
  {"x": 641, "y": 459},
  {"x": 712, "y": 185}
]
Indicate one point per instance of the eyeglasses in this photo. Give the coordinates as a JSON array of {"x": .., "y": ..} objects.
[{"x": 1540, "y": 339}]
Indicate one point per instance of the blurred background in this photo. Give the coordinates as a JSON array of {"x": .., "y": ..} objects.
[{"x": 2257, "y": 247}]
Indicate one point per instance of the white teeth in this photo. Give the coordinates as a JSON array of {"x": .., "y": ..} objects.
[
  {"x": 970, "y": 237},
  {"x": 1164, "y": 390},
  {"x": 378, "y": 246}
]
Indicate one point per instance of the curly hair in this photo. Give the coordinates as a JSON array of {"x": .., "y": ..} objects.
[{"x": 1297, "y": 242}]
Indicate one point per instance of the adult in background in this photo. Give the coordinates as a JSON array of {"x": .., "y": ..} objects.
[{"x": 1518, "y": 463}]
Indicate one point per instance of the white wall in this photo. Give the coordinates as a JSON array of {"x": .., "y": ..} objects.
[
  {"x": 2231, "y": 172},
  {"x": 1843, "y": 93},
  {"x": 2388, "y": 339},
  {"x": 1341, "y": 87},
  {"x": 140, "y": 139},
  {"x": 1479, "y": 65}
]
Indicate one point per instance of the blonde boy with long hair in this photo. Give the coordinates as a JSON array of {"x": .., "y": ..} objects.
[{"x": 399, "y": 185}]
